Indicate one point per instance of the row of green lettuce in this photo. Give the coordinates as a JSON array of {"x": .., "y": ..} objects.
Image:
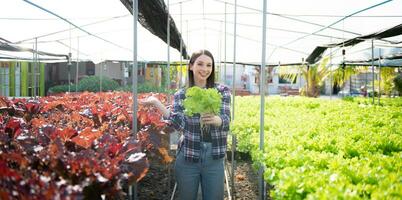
[{"x": 325, "y": 149}]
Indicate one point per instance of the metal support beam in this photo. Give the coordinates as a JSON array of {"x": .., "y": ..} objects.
[
  {"x": 133, "y": 188},
  {"x": 181, "y": 46},
  {"x": 233, "y": 101},
  {"x": 101, "y": 66},
  {"x": 69, "y": 71},
  {"x": 168, "y": 51},
  {"x": 261, "y": 183},
  {"x": 34, "y": 72},
  {"x": 372, "y": 66},
  {"x": 77, "y": 64},
  {"x": 224, "y": 74},
  {"x": 379, "y": 75}
]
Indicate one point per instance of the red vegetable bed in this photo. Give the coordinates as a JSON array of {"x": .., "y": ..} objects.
[{"x": 76, "y": 145}]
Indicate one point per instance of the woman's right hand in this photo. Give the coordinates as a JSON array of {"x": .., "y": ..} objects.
[
  {"x": 149, "y": 101},
  {"x": 153, "y": 101}
]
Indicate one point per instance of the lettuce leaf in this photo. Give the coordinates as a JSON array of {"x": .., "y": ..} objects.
[{"x": 200, "y": 101}]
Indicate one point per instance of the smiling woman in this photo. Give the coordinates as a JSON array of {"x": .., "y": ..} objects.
[
  {"x": 201, "y": 150},
  {"x": 202, "y": 69}
]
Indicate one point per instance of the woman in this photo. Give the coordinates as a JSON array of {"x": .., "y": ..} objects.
[{"x": 200, "y": 153}]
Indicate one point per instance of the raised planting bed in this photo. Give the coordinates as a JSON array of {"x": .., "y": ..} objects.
[{"x": 77, "y": 146}]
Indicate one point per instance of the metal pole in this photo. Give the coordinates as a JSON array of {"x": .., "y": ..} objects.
[
  {"x": 300, "y": 74},
  {"x": 332, "y": 73},
  {"x": 220, "y": 52},
  {"x": 234, "y": 97},
  {"x": 135, "y": 68},
  {"x": 343, "y": 68},
  {"x": 38, "y": 71},
  {"x": 366, "y": 81},
  {"x": 133, "y": 187},
  {"x": 331, "y": 79},
  {"x": 168, "y": 50},
  {"x": 69, "y": 62},
  {"x": 372, "y": 65},
  {"x": 69, "y": 69},
  {"x": 224, "y": 74},
  {"x": 226, "y": 172},
  {"x": 100, "y": 76},
  {"x": 379, "y": 75},
  {"x": 234, "y": 59},
  {"x": 261, "y": 184},
  {"x": 181, "y": 45},
  {"x": 76, "y": 68},
  {"x": 35, "y": 66}
]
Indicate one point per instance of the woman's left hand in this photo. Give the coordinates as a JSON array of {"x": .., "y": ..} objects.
[{"x": 211, "y": 119}]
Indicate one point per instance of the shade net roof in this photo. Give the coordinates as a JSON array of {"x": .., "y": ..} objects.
[
  {"x": 380, "y": 35},
  {"x": 293, "y": 32},
  {"x": 153, "y": 16},
  {"x": 6, "y": 46}
]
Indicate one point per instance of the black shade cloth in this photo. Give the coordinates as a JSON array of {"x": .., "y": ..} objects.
[
  {"x": 394, "y": 31},
  {"x": 391, "y": 32},
  {"x": 30, "y": 59},
  {"x": 9, "y": 47},
  {"x": 153, "y": 16},
  {"x": 384, "y": 63},
  {"x": 316, "y": 55}
]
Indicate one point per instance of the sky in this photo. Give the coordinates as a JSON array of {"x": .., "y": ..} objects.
[{"x": 202, "y": 25}]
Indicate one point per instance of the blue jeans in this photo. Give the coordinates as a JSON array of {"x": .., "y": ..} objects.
[{"x": 208, "y": 172}]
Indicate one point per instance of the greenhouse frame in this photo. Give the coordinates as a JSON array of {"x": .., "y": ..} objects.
[{"x": 315, "y": 105}]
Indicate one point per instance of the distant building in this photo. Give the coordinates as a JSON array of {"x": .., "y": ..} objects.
[
  {"x": 22, "y": 78},
  {"x": 120, "y": 71},
  {"x": 57, "y": 73},
  {"x": 25, "y": 78},
  {"x": 247, "y": 80},
  {"x": 151, "y": 72}
]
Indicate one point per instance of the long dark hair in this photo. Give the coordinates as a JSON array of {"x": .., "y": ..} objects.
[{"x": 211, "y": 78}]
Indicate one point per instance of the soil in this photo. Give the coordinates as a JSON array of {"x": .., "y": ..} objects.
[
  {"x": 246, "y": 181},
  {"x": 159, "y": 182}
]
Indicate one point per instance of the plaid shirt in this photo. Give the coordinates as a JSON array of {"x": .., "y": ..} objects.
[{"x": 190, "y": 141}]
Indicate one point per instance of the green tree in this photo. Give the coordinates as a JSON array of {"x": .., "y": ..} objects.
[
  {"x": 342, "y": 75},
  {"x": 313, "y": 74},
  {"x": 92, "y": 84},
  {"x": 316, "y": 74},
  {"x": 398, "y": 84},
  {"x": 387, "y": 83}
]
